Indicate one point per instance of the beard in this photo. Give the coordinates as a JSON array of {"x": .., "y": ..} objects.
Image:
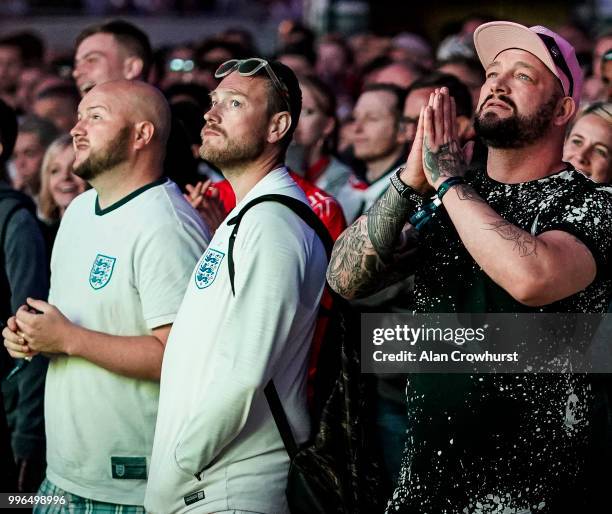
[
  {"x": 234, "y": 153},
  {"x": 516, "y": 131},
  {"x": 102, "y": 160}
]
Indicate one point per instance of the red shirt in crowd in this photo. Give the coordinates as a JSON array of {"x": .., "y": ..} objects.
[{"x": 325, "y": 206}]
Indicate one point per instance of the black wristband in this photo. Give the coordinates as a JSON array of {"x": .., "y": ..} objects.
[
  {"x": 404, "y": 190},
  {"x": 447, "y": 184}
]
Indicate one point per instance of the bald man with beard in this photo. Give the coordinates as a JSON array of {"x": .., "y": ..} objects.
[{"x": 121, "y": 260}]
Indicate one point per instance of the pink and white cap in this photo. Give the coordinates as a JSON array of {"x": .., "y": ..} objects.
[{"x": 490, "y": 39}]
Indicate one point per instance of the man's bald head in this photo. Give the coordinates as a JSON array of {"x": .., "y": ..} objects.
[
  {"x": 121, "y": 125},
  {"x": 138, "y": 102}
]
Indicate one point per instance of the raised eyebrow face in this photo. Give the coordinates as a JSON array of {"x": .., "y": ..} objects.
[
  {"x": 92, "y": 108},
  {"x": 227, "y": 92},
  {"x": 517, "y": 64}
]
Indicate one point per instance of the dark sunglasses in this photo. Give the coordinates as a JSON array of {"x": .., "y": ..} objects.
[
  {"x": 558, "y": 59},
  {"x": 248, "y": 68}
]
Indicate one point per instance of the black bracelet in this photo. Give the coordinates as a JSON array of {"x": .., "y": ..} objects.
[
  {"x": 447, "y": 184},
  {"x": 404, "y": 190}
]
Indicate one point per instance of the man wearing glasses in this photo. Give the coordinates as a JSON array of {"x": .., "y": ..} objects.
[{"x": 247, "y": 317}]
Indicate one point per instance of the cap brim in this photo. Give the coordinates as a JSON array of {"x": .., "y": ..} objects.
[{"x": 490, "y": 39}]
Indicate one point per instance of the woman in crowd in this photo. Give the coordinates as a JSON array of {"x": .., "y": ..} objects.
[
  {"x": 59, "y": 186},
  {"x": 588, "y": 146},
  {"x": 317, "y": 135}
]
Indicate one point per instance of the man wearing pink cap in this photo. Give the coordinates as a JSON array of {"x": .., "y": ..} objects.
[{"x": 527, "y": 234}]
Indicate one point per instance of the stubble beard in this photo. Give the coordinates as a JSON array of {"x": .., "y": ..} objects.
[
  {"x": 234, "y": 154},
  {"x": 102, "y": 160}
]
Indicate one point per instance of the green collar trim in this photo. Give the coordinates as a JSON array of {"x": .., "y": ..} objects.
[{"x": 126, "y": 199}]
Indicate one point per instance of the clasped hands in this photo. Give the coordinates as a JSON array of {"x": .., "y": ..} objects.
[
  {"x": 436, "y": 154},
  {"x": 37, "y": 327}
]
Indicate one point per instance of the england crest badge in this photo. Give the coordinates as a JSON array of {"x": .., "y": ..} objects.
[
  {"x": 101, "y": 271},
  {"x": 208, "y": 267}
]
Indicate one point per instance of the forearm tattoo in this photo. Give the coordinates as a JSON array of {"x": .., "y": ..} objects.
[
  {"x": 356, "y": 268},
  {"x": 465, "y": 192},
  {"x": 386, "y": 218},
  {"x": 524, "y": 243},
  {"x": 446, "y": 161},
  {"x": 354, "y": 262}
]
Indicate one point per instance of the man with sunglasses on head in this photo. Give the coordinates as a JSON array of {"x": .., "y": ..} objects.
[
  {"x": 247, "y": 318},
  {"x": 526, "y": 234}
]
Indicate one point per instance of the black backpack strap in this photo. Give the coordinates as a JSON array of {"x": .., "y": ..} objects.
[
  {"x": 280, "y": 418},
  {"x": 298, "y": 207},
  {"x": 311, "y": 219}
]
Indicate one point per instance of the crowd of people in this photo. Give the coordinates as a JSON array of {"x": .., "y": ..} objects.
[{"x": 160, "y": 276}]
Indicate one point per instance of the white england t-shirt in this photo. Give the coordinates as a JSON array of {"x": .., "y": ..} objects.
[{"x": 123, "y": 271}]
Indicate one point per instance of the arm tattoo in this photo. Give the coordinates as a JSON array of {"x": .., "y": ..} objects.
[
  {"x": 525, "y": 243},
  {"x": 353, "y": 262},
  {"x": 465, "y": 192},
  {"x": 386, "y": 218},
  {"x": 356, "y": 268},
  {"x": 446, "y": 161}
]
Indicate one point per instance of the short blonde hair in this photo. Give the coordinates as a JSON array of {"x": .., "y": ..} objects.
[
  {"x": 48, "y": 209},
  {"x": 601, "y": 109}
]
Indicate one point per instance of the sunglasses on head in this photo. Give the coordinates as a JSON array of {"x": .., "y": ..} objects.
[{"x": 248, "y": 68}]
